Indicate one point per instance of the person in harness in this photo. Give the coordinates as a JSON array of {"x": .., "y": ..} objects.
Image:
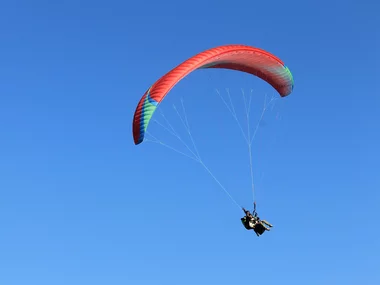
[{"x": 253, "y": 222}]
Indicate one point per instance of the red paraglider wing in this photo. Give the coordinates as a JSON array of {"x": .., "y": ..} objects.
[{"x": 235, "y": 57}]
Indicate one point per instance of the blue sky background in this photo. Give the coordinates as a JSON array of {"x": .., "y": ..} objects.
[{"x": 81, "y": 204}]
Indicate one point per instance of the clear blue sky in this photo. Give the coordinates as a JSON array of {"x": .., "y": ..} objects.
[{"x": 81, "y": 204}]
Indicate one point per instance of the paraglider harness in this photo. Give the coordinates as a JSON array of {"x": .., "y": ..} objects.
[
  {"x": 252, "y": 221},
  {"x": 248, "y": 223}
]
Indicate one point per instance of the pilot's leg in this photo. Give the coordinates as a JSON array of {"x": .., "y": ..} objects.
[{"x": 265, "y": 222}]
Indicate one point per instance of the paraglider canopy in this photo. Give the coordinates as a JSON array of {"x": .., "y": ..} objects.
[{"x": 234, "y": 57}]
